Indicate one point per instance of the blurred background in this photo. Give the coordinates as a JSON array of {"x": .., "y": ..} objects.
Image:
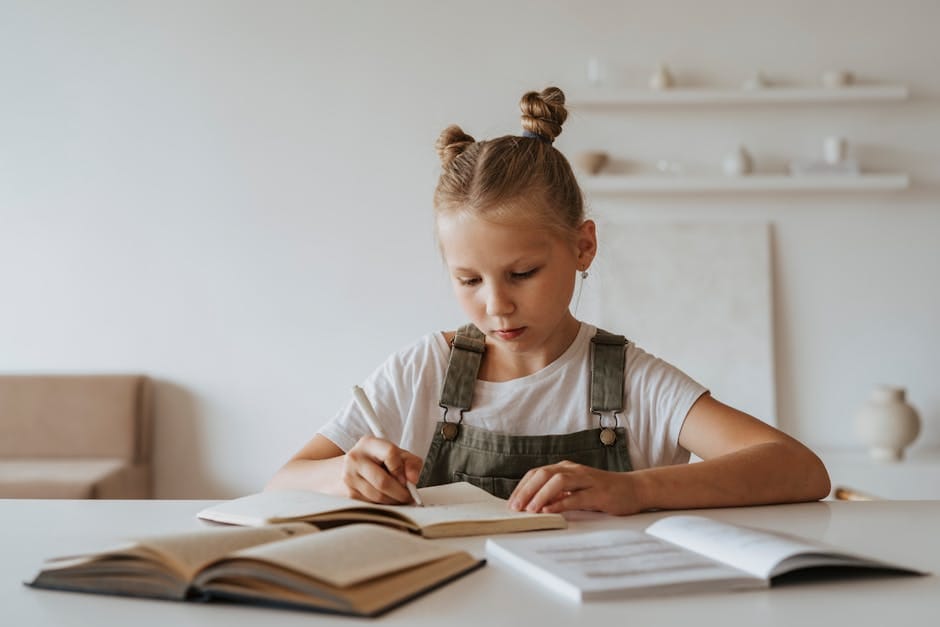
[{"x": 234, "y": 198}]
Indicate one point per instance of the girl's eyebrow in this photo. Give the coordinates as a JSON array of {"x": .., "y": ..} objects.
[{"x": 527, "y": 259}]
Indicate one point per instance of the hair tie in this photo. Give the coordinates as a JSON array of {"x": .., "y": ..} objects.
[{"x": 539, "y": 136}]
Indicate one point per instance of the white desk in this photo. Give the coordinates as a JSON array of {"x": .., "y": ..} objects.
[{"x": 902, "y": 531}]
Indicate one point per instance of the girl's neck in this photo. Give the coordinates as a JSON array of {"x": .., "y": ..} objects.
[{"x": 501, "y": 364}]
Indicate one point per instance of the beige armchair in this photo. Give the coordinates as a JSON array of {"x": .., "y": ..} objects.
[{"x": 75, "y": 436}]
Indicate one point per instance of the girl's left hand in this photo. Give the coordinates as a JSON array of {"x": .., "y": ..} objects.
[{"x": 567, "y": 486}]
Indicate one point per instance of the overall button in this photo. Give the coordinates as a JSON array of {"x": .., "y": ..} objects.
[
  {"x": 608, "y": 436},
  {"x": 449, "y": 431}
]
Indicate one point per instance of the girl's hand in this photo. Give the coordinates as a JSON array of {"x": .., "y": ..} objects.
[
  {"x": 567, "y": 485},
  {"x": 376, "y": 470}
]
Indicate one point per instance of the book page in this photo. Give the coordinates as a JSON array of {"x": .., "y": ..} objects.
[
  {"x": 345, "y": 556},
  {"x": 609, "y": 563},
  {"x": 462, "y": 503},
  {"x": 190, "y": 552},
  {"x": 451, "y": 503},
  {"x": 150, "y": 560},
  {"x": 752, "y": 550},
  {"x": 457, "y": 493},
  {"x": 280, "y": 506}
]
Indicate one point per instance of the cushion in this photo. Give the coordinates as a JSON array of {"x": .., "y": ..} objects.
[{"x": 72, "y": 479}]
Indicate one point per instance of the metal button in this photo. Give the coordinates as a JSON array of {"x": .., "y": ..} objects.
[
  {"x": 608, "y": 436},
  {"x": 449, "y": 431}
]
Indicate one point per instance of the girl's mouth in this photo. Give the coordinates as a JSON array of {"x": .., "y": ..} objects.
[{"x": 509, "y": 334}]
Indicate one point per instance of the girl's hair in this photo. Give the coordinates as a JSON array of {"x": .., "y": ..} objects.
[{"x": 511, "y": 178}]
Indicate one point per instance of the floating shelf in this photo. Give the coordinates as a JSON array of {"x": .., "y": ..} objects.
[
  {"x": 749, "y": 183},
  {"x": 602, "y": 97}
]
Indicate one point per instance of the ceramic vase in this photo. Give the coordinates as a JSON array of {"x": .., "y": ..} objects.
[
  {"x": 835, "y": 150},
  {"x": 737, "y": 162},
  {"x": 886, "y": 423},
  {"x": 591, "y": 161},
  {"x": 661, "y": 78}
]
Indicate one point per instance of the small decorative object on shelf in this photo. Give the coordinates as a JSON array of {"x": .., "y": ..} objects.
[
  {"x": 591, "y": 161},
  {"x": 596, "y": 73},
  {"x": 835, "y": 160},
  {"x": 757, "y": 81},
  {"x": 668, "y": 166},
  {"x": 887, "y": 423},
  {"x": 737, "y": 162},
  {"x": 835, "y": 150},
  {"x": 837, "y": 78},
  {"x": 661, "y": 78}
]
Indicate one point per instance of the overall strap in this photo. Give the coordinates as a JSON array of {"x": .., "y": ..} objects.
[
  {"x": 608, "y": 360},
  {"x": 466, "y": 355}
]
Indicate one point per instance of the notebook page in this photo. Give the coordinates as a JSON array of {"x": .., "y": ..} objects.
[
  {"x": 753, "y": 551},
  {"x": 348, "y": 555}
]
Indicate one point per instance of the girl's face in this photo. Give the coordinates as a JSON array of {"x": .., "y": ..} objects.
[{"x": 515, "y": 281}]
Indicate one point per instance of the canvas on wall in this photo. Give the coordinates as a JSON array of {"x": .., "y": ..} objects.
[{"x": 696, "y": 295}]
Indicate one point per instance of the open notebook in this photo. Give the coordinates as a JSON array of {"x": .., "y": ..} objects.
[
  {"x": 676, "y": 554},
  {"x": 456, "y": 509}
]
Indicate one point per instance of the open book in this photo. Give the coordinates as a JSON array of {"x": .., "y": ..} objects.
[
  {"x": 356, "y": 569},
  {"x": 675, "y": 554},
  {"x": 455, "y": 509}
]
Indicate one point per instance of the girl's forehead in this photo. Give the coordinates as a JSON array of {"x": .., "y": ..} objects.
[
  {"x": 470, "y": 230},
  {"x": 472, "y": 241},
  {"x": 468, "y": 225}
]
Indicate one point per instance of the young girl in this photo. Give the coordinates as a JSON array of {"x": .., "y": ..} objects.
[{"x": 526, "y": 401}]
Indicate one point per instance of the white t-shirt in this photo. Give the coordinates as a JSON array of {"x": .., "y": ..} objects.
[{"x": 406, "y": 389}]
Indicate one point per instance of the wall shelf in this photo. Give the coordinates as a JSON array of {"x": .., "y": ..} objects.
[
  {"x": 749, "y": 183},
  {"x": 603, "y": 97}
]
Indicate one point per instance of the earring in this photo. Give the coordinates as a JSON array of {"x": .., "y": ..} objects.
[{"x": 584, "y": 274}]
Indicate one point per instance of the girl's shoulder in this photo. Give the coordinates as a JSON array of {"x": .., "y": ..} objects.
[
  {"x": 427, "y": 349},
  {"x": 447, "y": 336}
]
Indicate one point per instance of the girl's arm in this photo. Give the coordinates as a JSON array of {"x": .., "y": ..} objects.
[
  {"x": 373, "y": 470},
  {"x": 745, "y": 462}
]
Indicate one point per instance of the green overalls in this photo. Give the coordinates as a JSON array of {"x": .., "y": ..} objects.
[{"x": 497, "y": 462}]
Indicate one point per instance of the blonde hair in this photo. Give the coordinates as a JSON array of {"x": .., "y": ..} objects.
[{"x": 511, "y": 177}]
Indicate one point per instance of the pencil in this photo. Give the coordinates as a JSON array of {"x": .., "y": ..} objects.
[{"x": 366, "y": 406}]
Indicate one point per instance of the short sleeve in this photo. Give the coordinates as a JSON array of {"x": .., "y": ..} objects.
[
  {"x": 659, "y": 397},
  {"x": 400, "y": 390}
]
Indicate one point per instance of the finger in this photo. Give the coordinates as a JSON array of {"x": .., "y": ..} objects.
[
  {"x": 365, "y": 491},
  {"x": 412, "y": 465},
  {"x": 528, "y": 486},
  {"x": 370, "y": 449},
  {"x": 550, "y": 491},
  {"x": 380, "y": 479},
  {"x": 395, "y": 459},
  {"x": 570, "y": 500}
]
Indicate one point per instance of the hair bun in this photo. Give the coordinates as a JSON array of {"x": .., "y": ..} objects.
[
  {"x": 544, "y": 112},
  {"x": 451, "y": 143}
]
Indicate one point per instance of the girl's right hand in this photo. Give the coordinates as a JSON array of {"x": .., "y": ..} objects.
[{"x": 376, "y": 470}]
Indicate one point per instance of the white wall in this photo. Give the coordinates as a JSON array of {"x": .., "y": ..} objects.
[{"x": 234, "y": 197}]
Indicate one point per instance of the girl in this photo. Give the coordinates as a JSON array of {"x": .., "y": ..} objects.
[{"x": 526, "y": 401}]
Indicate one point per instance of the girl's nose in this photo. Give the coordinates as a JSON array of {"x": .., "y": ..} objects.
[{"x": 498, "y": 302}]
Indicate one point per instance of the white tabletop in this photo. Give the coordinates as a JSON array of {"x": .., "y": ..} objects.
[{"x": 898, "y": 531}]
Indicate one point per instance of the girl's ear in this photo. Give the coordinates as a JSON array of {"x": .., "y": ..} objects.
[{"x": 586, "y": 242}]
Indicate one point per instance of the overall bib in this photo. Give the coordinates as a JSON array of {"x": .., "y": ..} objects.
[{"x": 497, "y": 462}]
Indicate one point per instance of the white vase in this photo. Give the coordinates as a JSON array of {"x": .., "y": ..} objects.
[
  {"x": 661, "y": 78},
  {"x": 835, "y": 150},
  {"x": 886, "y": 423},
  {"x": 737, "y": 162}
]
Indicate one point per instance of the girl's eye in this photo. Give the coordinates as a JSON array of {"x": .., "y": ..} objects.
[
  {"x": 524, "y": 275},
  {"x": 468, "y": 282}
]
